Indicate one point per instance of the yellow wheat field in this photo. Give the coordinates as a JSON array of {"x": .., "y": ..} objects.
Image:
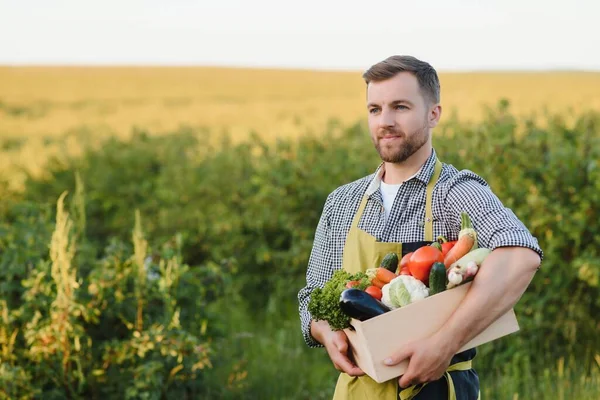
[{"x": 41, "y": 103}]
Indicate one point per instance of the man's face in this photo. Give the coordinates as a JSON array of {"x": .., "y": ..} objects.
[{"x": 398, "y": 117}]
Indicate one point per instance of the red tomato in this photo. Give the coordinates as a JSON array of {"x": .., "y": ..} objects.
[
  {"x": 422, "y": 260},
  {"x": 405, "y": 271},
  {"x": 351, "y": 284},
  {"x": 374, "y": 291},
  {"x": 447, "y": 246},
  {"x": 405, "y": 260}
]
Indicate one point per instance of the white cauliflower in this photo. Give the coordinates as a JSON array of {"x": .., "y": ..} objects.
[{"x": 403, "y": 290}]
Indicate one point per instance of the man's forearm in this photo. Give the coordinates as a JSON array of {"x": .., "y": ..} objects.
[{"x": 497, "y": 287}]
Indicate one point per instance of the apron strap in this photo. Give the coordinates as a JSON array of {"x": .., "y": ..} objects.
[
  {"x": 428, "y": 201},
  {"x": 359, "y": 212},
  {"x": 410, "y": 392}
]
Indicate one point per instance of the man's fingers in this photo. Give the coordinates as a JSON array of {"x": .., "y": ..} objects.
[
  {"x": 341, "y": 344},
  {"x": 399, "y": 356},
  {"x": 404, "y": 353},
  {"x": 343, "y": 364},
  {"x": 406, "y": 380},
  {"x": 339, "y": 355},
  {"x": 355, "y": 371}
]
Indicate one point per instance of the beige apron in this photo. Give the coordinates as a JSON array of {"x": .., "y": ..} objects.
[{"x": 363, "y": 251}]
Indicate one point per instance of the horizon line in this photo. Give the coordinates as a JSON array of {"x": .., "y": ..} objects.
[{"x": 287, "y": 67}]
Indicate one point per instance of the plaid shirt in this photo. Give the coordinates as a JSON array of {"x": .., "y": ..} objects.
[{"x": 455, "y": 192}]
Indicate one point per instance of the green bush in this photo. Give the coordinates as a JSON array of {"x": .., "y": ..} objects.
[
  {"x": 250, "y": 210},
  {"x": 138, "y": 316}
]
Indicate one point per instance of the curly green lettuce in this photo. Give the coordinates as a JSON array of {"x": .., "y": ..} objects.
[{"x": 324, "y": 303}]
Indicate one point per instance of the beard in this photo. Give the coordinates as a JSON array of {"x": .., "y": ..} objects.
[{"x": 400, "y": 150}]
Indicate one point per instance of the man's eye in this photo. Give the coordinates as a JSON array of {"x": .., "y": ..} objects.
[
  {"x": 401, "y": 107},
  {"x": 373, "y": 110}
]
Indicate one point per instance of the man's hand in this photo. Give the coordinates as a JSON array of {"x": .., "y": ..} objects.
[
  {"x": 428, "y": 360},
  {"x": 336, "y": 344}
]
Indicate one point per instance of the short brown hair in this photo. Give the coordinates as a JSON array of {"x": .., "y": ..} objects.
[{"x": 423, "y": 71}]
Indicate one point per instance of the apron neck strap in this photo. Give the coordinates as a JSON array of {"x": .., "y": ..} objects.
[
  {"x": 359, "y": 212},
  {"x": 428, "y": 208}
]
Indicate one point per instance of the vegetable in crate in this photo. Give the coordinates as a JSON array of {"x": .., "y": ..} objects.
[
  {"x": 384, "y": 275},
  {"x": 374, "y": 291},
  {"x": 379, "y": 276},
  {"x": 422, "y": 260},
  {"x": 467, "y": 267},
  {"x": 360, "y": 305},
  {"x": 376, "y": 282},
  {"x": 437, "y": 278},
  {"x": 351, "y": 284},
  {"x": 404, "y": 270},
  {"x": 467, "y": 241},
  {"x": 390, "y": 262},
  {"x": 446, "y": 245},
  {"x": 324, "y": 303},
  {"x": 403, "y": 290}
]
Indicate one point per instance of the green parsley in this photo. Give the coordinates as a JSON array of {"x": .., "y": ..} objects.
[{"x": 325, "y": 303}]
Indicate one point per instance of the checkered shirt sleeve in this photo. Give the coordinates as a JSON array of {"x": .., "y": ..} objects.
[{"x": 320, "y": 270}]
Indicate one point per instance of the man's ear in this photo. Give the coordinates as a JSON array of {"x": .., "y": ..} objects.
[{"x": 435, "y": 113}]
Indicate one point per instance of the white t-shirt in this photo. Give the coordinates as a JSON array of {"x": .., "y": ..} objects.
[{"x": 388, "y": 192}]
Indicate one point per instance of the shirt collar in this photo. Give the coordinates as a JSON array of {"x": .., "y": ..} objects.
[{"x": 424, "y": 174}]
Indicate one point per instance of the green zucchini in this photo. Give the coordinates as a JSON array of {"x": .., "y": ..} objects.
[
  {"x": 390, "y": 262},
  {"x": 437, "y": 278}
]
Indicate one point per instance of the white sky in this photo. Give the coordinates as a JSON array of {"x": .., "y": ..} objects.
[{"x": 324, "y": 34}]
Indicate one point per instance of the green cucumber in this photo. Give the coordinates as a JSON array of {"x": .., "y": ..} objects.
[
  {"x": 437, "y": 278},
  {"x": 390, "y": 262}
]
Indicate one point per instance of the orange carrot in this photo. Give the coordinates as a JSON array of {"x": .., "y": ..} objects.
[
  {"x": 463, "y": 246},
  {"x": 377, "y": 282},
  {"x": 384, "y": 275}
]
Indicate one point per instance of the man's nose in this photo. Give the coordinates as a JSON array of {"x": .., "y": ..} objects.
[{"x": 386, "y": 119}]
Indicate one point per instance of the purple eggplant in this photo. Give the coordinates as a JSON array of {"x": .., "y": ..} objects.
[{"x": 360, "y": 305}]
